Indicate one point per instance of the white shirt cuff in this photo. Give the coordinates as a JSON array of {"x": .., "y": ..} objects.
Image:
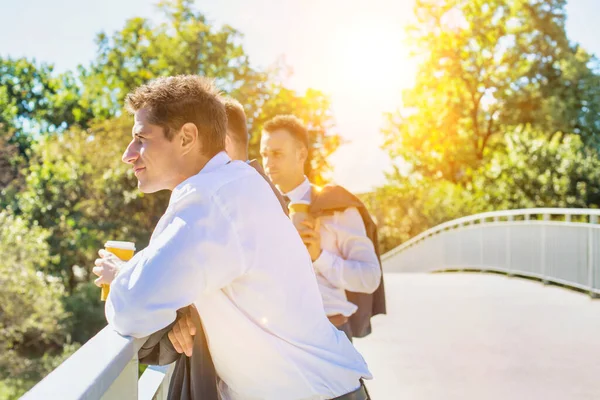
[{"x": 324, "y": 262}]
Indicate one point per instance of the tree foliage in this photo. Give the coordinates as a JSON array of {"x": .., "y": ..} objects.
[
  {"x": 33, "y": 338},
  {"x": 64, "y": 188},
  {"x": 503, "y": 114},
  {"x": 488, "y": 67}
]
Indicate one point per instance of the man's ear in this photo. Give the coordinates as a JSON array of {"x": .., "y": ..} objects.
[
  {"x": 302, "y": 153},
  {"x": 189, "y": 137}
]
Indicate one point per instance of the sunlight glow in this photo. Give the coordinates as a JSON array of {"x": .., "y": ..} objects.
[{"x": 369, "y": 57}]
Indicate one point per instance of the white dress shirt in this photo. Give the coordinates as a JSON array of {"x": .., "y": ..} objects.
[
  {"x": 224, "y": 245},
  {"x": 348, "y": 260}
]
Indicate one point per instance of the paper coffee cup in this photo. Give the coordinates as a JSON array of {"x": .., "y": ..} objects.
[
  {"x": 299, "y": 212},
  {"x": 298, "y": 208},
  {"x": 123, "y": 250}
]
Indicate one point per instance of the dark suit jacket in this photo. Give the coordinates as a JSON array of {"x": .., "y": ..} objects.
[
  {"x": 326, "y": 201},
  {"x": 194, "y": 378}
]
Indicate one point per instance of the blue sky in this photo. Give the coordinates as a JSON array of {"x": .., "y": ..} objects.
[{"x": 319, "y": 39}]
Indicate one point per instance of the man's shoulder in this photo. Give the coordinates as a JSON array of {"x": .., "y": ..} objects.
[
  {"x": 331, "y": 198},
  {"x": 205, "y": 185},
  {"x": 224, "y": 175},
  {"x": 238, "y": 183}
]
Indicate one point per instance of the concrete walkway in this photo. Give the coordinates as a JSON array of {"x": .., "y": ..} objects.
[{"x": 483, "y": 336}]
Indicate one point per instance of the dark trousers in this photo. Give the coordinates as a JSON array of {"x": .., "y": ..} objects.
[
  {"x": 347, "y": 329},
  {"x": 359, "y": 394}
]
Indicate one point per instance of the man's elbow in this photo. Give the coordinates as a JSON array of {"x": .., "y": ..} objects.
[
  {"x": 127, "y": 319},
  {"x": 127, "y": 330},
  {"x": 367, "y": 280},
  {"x": 124, "y": 323},
  {"x": 373, "y": 280}
]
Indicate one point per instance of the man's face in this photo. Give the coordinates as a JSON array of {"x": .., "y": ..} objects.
[
  {"x": 283, "y": 157},
  {"x": 153, "y": 157}
]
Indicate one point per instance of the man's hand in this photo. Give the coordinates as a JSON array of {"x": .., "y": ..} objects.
[
  {"x": 312, "y": 238},
  {"x": 107, "y": 267},
  {"x": 182, "y": 334}
]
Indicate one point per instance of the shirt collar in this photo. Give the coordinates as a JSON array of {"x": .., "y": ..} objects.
[
  {"x": 217, "y": 161},
  {"x": 185, "y": 187},
  {"x": 301, "y": 193}
]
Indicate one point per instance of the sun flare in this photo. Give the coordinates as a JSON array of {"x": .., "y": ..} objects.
[{"x": 369, "y": 57}]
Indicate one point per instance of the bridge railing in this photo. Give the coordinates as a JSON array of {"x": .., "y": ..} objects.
[
  {"x": 551, "y": 244},
  {"x": 554, "y": 245},
  {"x": 106, "y": 367}
]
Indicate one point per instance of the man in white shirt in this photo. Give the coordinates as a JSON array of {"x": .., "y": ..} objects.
[
  {"x": 343, "y": 256},
  {"x": 224, "y": 245}
]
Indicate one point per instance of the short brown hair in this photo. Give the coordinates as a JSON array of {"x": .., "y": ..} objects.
[
  {"x": 236, "y": 120},
  {"x": 175, "y": 100},
  {"x": 290, "y": 123}
]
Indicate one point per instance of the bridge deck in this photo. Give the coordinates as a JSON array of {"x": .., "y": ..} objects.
[{"x": 485, "y": 337}]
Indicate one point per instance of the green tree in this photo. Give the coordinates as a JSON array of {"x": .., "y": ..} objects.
[
  {"x": 483, "y": 127},
  {"x": 185, "y": 43},
  {"x": 488, "y": 66},
  {"x": 75, "y": 186},
  {"x": 407, "y": 206},
  {"x": 34, "y": 100},
  {"x": 78, "y": 188},
  {"x": 531, "y": 171},
  {"x": 535, "y": 171},
  {"x": 9, "y": 165},
  {"x": 32, "y": 331}
]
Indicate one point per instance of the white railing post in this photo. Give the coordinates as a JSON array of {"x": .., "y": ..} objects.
[
  {"x": 481, "y": 223},
  {"x": 546, "y": 217},
  {"x": 105, "y": 367},
  {"x": 460, "y": 245},
  {"x": 154, "y": 382},
  {"x": 590, "y": 256},
  {"x": 508, "y": 246}
]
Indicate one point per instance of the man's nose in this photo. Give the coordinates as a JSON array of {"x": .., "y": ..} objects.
[
  {"x": 131, "y": 153},
  {"x": 268, "y": 162}
]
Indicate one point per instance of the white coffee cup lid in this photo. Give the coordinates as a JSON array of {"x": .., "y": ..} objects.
[{"x": 115, "y": 244}]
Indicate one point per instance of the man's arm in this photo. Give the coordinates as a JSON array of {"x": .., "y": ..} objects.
[
  {"x": 357, "y": 270},
  {"x": 197, "y": 251},
  {"x": 158, "y": 349},
  {"x": 165, "y": 346}
]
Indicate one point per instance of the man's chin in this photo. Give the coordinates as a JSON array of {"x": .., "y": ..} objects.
[
  {"x": 146, "y": 188},
  {"x": 274, "y": 177}
]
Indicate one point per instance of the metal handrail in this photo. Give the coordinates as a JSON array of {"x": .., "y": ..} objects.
[
  {"x": 491, "y": 214},
  {"x": 560, "y": 251},
  {"x": 105, "y": 367}
]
